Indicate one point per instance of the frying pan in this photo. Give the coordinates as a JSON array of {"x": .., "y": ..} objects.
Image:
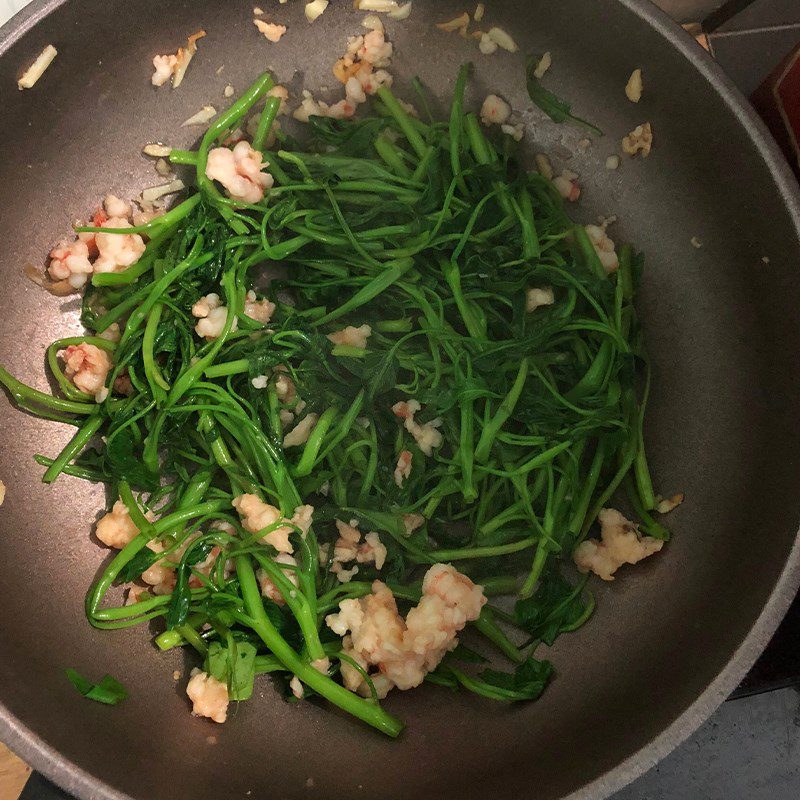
[{"x": 670, "y": 638}]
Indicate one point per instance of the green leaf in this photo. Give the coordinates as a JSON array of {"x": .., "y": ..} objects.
[
  {"x": 178, "y": 608},
  {"x": 142, "y": 561},
  {"x": 527, "y": 681},
  {"x": 555, "y": 607},
  {"x": 125, "y": 462},
  {"x": 557, "y": 109},
  {"x": 108, "y": 691},
  {"x": 234, "y": 666}
]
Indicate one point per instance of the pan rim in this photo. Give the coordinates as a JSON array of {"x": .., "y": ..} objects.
[{"x": 46, "y": 759}]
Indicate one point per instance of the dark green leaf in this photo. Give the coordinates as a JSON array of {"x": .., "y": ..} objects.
[
  {"x": 558, "y": 110},
  {"x": 527, "y": 681},
  {"x": 125, "y": 461},
  {"x": 108, "y": 691},
  {"x": 234, "y": 666},
  {"x": 554, "y": 608}
]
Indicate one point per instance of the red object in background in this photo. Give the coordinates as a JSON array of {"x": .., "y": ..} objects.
[{"x": 777, "y": 100}]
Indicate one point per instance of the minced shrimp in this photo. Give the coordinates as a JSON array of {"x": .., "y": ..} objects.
[
  {"x": 212, "y": 316},
  {"x": 352, "y": 337},
  {"x": 257, "y": 515},
  {"x": 620, "y": 543},
  {"x": 208, "y": 695},
  {"x": 567, "y": 185},
  {"x": 401, "y": 652},
  {"x": 116, "y": 528},
  {"x": 403, "y": 468},
  {"x": 495, "y": 110},
  {"x": 268, "y": 588},
  {"x": 117, "y": 251},
  {"x": 86, "y": 366},
  {"x": 259, "y": 310},
  {"x": 240, "y": 171},
  {"x": 604, "y": 247},
  {"x": 426, "y": 436}
]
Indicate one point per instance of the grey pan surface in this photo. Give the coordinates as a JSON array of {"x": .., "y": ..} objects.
[{"x": 670, "y": 638}]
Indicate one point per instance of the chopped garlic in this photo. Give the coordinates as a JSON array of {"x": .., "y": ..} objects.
[
  {"x": 634, "y": 87},
  {"x": 163, "y": 168},
  {"x": 228, "y": 91},
  {"x": 258, "y": 12},
  {"x": 668, "y": 504},
  {"x": 544, "y": 64},
  {"x": 487, "y": 46},
  {"x": 536, "y": 298},
  {"x": 401, "y": 12},
  {"x": 372, "y": 22},
  {"x": 612, "y": 162},
  {"x": 202, "y": 117},
  {"x": 36, "y": 70},
  {"x": 502, "y": 39},
  {"x": 515, "y": 130},
  {"x": 157, "y": 150},
  {"x": 390, "y": 7},
  {"x": 695, "y": 242},
  {"x": 315, "y": 9},
  {"x": 154, "y": 193},
  {"x": 544, "y": 166},
  {"x": 454, "y": 24},
  {"x": 2, "y": 492},
  {"x": 479, "y": 11}
]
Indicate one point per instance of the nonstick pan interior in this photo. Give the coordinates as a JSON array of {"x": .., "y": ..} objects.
[{"x": 670, "y": 637}]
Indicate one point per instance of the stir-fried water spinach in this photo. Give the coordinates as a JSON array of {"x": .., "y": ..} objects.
[{"x": 431, "y": 233}]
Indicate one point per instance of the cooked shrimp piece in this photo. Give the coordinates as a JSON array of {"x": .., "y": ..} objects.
[
  {"x": 70, "y": 261},
  {"x": 208, "y": 695},
  {"x": 401, "y": 652},
  {"x": 567, "y": 185},
  {"x": 257, "y": 515},
  {"x": 259, "y": 310},
  {"x": 604, "y": 247},
  {"x": 352, "y": 337},
  {"x": 164, "y": 67},
  {"x": 86, "y": 366},
  {"x": 620, "y": 543},
  {"x": 115, "y": 207},
  {"x": 240, "y": 171},
  {"x": 403, "y": 468},
  {"x": 117, "y": 251},
  {"x": 268, "y": 588},
  {"x": 495, "y": 110},
  {"x": 375, "y": 49},
  {"x": 116, "y": 528},
  {"x": 426, "y": 436}
]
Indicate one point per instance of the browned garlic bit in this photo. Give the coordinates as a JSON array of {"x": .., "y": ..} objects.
[
  {"x": 639, "y": 140},
  {"x": 271, "y": 31},
  {"x": 175, "y": 66},
  {"x": 665, "y": 505}
]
